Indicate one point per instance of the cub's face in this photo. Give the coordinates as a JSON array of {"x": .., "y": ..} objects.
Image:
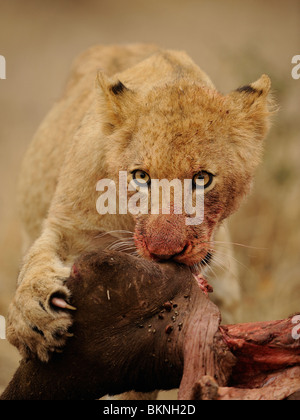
[{"x": 185, "y": 131}]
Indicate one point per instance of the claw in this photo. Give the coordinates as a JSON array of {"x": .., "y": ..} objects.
[{"x": 61, "y": 303}]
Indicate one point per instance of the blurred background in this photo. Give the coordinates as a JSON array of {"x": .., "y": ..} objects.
[{"x": 234, "y": 42}]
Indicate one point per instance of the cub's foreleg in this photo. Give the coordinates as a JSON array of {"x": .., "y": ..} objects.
[{"x": 35, "y": 323}]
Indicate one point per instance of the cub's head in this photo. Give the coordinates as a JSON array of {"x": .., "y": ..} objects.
[{"x": 184, "y": 130}]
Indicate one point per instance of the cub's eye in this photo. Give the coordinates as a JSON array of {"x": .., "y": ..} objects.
[
  {"x": 202, "y": 176},
  {"x": 141, "y": 178}
]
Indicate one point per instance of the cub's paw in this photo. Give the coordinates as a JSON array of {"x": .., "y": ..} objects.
[{"x": 39, "y": 319}]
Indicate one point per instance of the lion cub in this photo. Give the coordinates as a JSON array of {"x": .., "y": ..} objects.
[{"x": 154, "y": 114}]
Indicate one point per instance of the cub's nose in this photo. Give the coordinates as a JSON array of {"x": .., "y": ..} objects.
[
  {"x": 163, "y": 254},
  {"x": 171, "y": 256},
  {"x": 165, "y": 236}
]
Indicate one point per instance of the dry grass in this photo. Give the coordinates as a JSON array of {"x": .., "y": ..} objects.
[{"x": 235, "y": 42}]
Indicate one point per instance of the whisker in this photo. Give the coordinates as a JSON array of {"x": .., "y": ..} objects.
[
  {"x": 204, "y": 265},
  {"x": 120, "y": 247},
  {"x": 126, "y": 241},
  {"x": 208, "y": 267},
  {"x": 115, "y": 232},
  {"x": 124, "y": 244},
  {"x": 220, "y": 263},
  {"x": 123, "y": 248},
  {"x": 136, "y": 254},
  {"x": 213, "y": 242},
  {"x": 217, "y": 252}
]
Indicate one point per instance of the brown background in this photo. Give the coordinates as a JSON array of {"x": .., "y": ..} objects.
[{"x": 235, "y": 42}]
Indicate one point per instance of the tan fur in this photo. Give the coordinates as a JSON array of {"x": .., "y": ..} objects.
[{"x": 169, "y": 121}]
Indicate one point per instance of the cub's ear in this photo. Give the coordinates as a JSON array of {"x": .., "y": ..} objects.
[
  {"x": 259, "y": 88},
  {"x": 254, "y": 106},
  {"x": 114, "y": 102}
]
